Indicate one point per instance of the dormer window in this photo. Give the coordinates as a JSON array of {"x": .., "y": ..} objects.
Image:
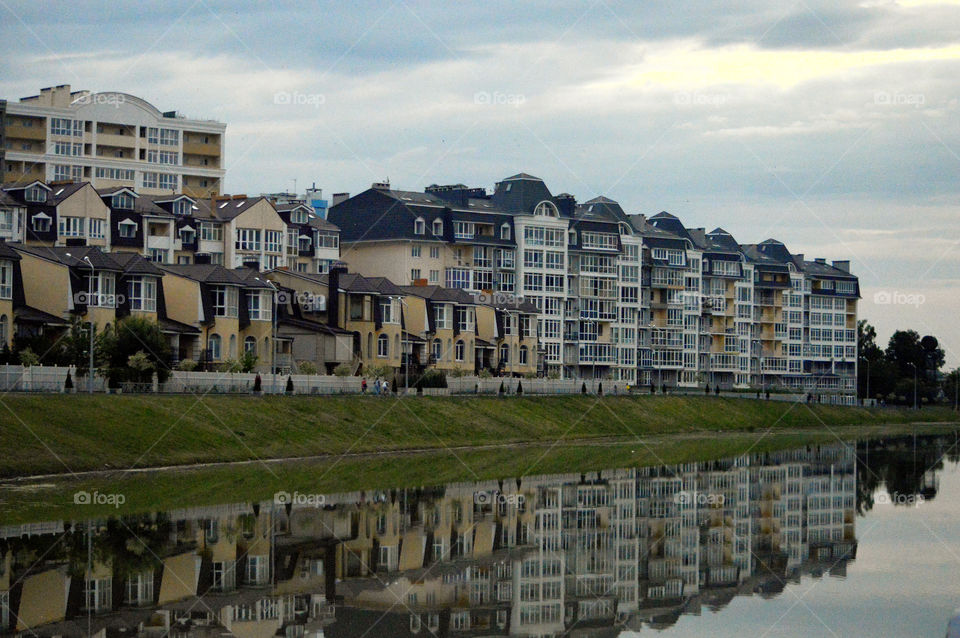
[
  {"x": 546, "y": 209},
  {"x": 187, "y": 235},
  {"x": 128, "y": 229},
  {"x": 298, "y": 217},
  {"x": 40, "y": 223},
  {"x": 35, "y": 194},
  {"x": 572, "y": 237},
  {"x": 437, "y": 228},
  {"x": 419, "y": 226},
  {"x": 123, "y": 201},
  {"x": 181, "y": 207},
  {"x": 505, "y": 231},
  {"x": 304, "y": 243}
]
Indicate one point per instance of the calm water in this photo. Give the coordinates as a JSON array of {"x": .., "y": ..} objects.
[{"x": 825, "y": 540}]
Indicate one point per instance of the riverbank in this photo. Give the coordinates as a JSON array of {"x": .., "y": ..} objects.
[
  {"x": 53, "y": 498},
  {"x": 44, "y": 434}
]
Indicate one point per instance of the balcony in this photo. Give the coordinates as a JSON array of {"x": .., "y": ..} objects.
[
  {"x": 604, "y": 353},
  {"x": 199, "y": 148}
]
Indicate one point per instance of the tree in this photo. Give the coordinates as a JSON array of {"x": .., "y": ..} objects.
[
  {"x": 126, "y": 350},
  {"x": 908, "y": 358},
  {"x": 949, "y": 385}
]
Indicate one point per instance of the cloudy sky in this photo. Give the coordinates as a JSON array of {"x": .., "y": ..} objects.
[{"x": 830, "y": 125}]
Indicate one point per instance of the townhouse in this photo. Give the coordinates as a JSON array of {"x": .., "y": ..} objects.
[
  {"x": 635, "y": 299},
  {"x": 111, "y": 140}
]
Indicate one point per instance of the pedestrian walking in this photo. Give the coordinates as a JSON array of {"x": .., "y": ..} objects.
[
  {"x": 386, "y": 387},
  {"x": 363, "y": 385},
  {"x": 376, "y": 386}
]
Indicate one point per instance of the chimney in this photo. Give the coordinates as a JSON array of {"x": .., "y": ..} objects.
[
  {"x": 843, "y": 265},
  {"x": 799, "y": 257},
  {"x": 385, "y": 185},
  {"x": 333, "y": 293},
  {"x": 339, "y": 197},
  {"x": 239, "y": 197},
  {"x": 566, "y": 203},
  {"x": 820, "y": 260}
]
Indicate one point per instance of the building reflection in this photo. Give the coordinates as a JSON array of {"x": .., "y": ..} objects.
[{"x": 588, "y": 554}]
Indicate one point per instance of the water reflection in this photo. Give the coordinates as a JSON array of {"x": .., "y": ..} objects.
[{"x": 591, "y": 554}]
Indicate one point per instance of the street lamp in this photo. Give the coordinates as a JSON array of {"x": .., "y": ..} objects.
[
  {"x": 653, "y": 328},
  {"x": 273, "y": 330},
  {"x": 759, "y": 361},
  {"x": 914, "y": 366},
  {"x": 866, "y": 394},
  {"x": 93, "y": 273}
]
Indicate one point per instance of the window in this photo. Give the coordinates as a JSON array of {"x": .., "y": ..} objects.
[
  {"x": 463, "y": 230},
  {"x": 163, "y": 157},
  {"x": 436, "y": 350},
  {"x": 149, "y": 180},
  {"x": 505, "y": 231},
  {"x": 157, "y": 255},
  {"x": 250, "y": 345},
  {"x": 225, "y": 301},
  {"x": 383, "y": 346},
  {"x": 120, "y": 174},
  {"x": 67, "y": 127},
  {"x": 96, "y": 229},
  {"x": 504, "y": 353},
  {"x": 546, "y": 209},
  {"x": 6, "y": 280},
  {"x": 523, "y": 355},
  {"x": 101, "y": 290},
  {"x": 4, "y": 330},
  {"x": 213, "y": 347},
  {"x": 35, "y": 194},
  {"x": 419, "y": 226},
  {"x": 415, "y": 250},
  {"x": 459, "y": 350},
  {"x": 71, "y": 226},
  {"x": 63, "y": 172},
  {"x": 143, "y": 294},
  {"x": 441, "y": 317},
  {"x": 187, "y": 235},
  {"x": 465, "y": 319},
  {"x": 434, "y": 252},
  {"x": 437, "y": 228},
  {"x": 211, "y": 232},
  {"x": 67, "y": 148},
  {"x": 414, "y": 274},
  {"x": 181, "y": 207},
  {"x": 163, "y": 136},
  {"x": 248, "y": 239},
  {"x": 458, "y": 278},
  {"x": 168, "y": 182},
  {"x": 260, "y": 306},
  {"x": 606, "y": 241},
  {"x": 273, "y": 241},
  {"x": 434, "y": 277},
  {"x": 386, "y": 311}
]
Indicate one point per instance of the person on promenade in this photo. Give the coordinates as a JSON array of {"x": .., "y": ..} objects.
[
  {"x": 386, "y": 387},
  {"x": 376, "y": 386},
  {"x": 363, "y": 385}
]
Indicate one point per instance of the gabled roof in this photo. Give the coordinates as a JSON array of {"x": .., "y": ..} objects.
[
  {"x": 601, "y": 209},
  {"x": 72, "y": 256},
  {"x": 6, "y": 252},
  {"x": 227, "y": 209},
  {"x": 136, "y": 264},
  {"x": 322, "y": 224},
  {"x": 439, "y": 293},
  {"x": 205, "y": 273},
  {"x": 60, "y": 192}
]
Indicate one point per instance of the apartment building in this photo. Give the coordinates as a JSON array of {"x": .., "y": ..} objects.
[
  {"x": 111, "y": 140},
  {"x": 635, "y": 299}
]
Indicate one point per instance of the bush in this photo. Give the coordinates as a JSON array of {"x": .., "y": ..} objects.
[
  {"x": 485, "y": 374},
  {"x": 29, "y": 358},
  {"x": 432, "y": 379},
  {"x": 133, "y": 341},
  {"x": 553, "y": 375},
  {"x": 307, "y": 367},
  {"x": 247, "y": 361},
  {"x": 230, "y": 365},
  {"x": 342, "y": 370},
  {"x": 529, "y": 375},
  {"x": 187, "y": 365},
  {"x": 141, "y": 367},
  {"x": 375, "y": 371},
  {"x": 458, "y": 372}
]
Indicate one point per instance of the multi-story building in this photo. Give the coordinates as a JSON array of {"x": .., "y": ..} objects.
[
  {"x": 110, "y": 140},
  {"x": 636, "y": 299}
]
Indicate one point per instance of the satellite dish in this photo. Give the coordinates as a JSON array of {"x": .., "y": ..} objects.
[{"x": 929, "y": 343}]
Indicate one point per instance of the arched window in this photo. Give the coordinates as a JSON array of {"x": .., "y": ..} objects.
[
  {"x": 396, "y": 345},
  {"x": 419, "y": 226},
  {"x": 523, "y": 355},
  {"x": 233, "y": 346},
  {"x": 437, "y": 227},
  {"x": 369, "y": 345},
  {"x": 213, "y": 347},
  {"x": 546, "y": 209},
  {"x": 504, "y": 353},
  {"x": 383, "y": 346},
  {"x": 505, "y": 231},
  {"x": 4, "y": 330},
  {"x": 437, "y": 350},
  {"x": 250, "y": 345},
  {"x": 459, "y": 350}
]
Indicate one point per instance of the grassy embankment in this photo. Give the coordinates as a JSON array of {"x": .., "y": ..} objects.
[{"x": 71, "y": 433}]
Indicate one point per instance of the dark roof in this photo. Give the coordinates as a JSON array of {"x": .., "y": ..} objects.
[
  {"x": 314, "y": 326},
  {"x": 602, "y": 209},
  {"x": 826, "y": 270},
  {"x": 60, "y": 192},
  {"x": 72, "y": 256},
  {"x": 6, "y": 252},
  {"x": 322, "y": 224},
  {"x": 520, "y": 193},
  {"x": 135, "y": 264},
  {"x": 171, "y": 326},
  {"x": 439, "y": 293},
  {"x": 226, "y": 209},
  {"x": 29, "y": 314},
  {"x": 206, "y": 273}
]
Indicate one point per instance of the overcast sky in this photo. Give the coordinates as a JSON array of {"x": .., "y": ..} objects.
[{"x": 832, "y": 126}]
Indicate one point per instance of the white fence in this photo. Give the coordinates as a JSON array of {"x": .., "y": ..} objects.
[{"x": 53, "y": 379}]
